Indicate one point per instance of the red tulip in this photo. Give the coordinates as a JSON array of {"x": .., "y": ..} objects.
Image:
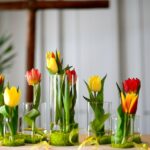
[
  {"x": 131, "y": 85},
  {"x": 72, "y": 76},
  {"x": 33, "y": 76}
]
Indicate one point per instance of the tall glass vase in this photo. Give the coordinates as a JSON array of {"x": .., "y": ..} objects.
[
  {"x": 95, "y": 112},
  {"x": 63, "y": 124}
]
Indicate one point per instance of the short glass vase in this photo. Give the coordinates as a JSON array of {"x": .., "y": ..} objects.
[
  {"x": 94, "y": 113},
  {"x": 10, "y": 139},
  {"x": 129, "y": 133}
]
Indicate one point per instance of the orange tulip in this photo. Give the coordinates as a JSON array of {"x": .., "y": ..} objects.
[
  {"x": 129, "y": 102},
  {"x": 33, "y": 76},
  {"x": 1, "y": 78}
]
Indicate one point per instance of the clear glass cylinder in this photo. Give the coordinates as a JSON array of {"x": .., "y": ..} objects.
[
  {"x": 101, "y": 108},
  {"x": 11, "y": 135},
  {"x": 129, "y": 132},
  {"x": 63, "y": 114},
  {"x": 27, "y": 106}
]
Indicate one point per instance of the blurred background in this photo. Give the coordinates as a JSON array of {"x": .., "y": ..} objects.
[{"x": 113, "y": 41}]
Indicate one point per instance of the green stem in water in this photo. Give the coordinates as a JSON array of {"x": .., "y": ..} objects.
[
  {"x": 125, "y": 129},
  {"x": 1, "y": 129},
  {"x": 11, "y": 130}
]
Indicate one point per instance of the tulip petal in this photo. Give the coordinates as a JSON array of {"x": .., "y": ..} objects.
[
  {"x": 52, "y": 65},
  {"x": 133, "y": 105},
  {"x": 123, "y": 103}
]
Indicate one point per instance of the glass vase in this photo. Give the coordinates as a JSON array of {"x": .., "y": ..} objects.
[
  {"x": 128, "y": 134},
  {"x": 31, "y": 131},
  {"x": 95, "y": 112},
  {"x": 63, "y": 99},
  {"x": 11, "y": 136}
]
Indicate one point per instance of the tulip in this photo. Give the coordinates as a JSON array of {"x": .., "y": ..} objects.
[
  {"x": 52, "y": 65},
  {"x": 12, "y": 96},
  {"x": 129, "y": 102},
  {"x": 131, "y": 85},
  {"x": 72, "y": 76},
  {"x": 95, "y": 83},
  {"x": 33, "y": 76},
  {"x": 2, "y": 78},
  {"x": 50, "y": 55},
  {"x": 51, "y": 62}
]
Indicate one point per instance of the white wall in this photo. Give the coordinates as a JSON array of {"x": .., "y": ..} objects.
[
  {"x": 14, "y": 23},
  {"x": 113, "y": 41}
]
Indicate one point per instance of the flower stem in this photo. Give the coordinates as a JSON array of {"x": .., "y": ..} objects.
[
  {"x": 33, "y": 128},
  {"x": 11, "y": 131},
  {"x": 125, "y": 129}
]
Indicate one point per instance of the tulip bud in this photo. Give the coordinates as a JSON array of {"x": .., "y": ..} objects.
[
  {"x": 33, "y": 76},
  {"x": 2, "y": 78},
  {"x": 12, "y": 96},
  {"x": 95, "y": 83},
  {"x": 131, "y": 85},
  {"x": 72, "y": 76},
  {"x": 52, "y": 65}
]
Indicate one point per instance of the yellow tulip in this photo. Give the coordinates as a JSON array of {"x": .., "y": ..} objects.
[
  {"x": 12, "y": 96},
  {"x": 52, "y": 65},
  {"x": 95, "y": 83}
]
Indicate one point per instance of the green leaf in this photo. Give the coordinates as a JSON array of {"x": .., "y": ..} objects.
[
  {"x": 67, "y": 103},
  {"x": 31, "y": 115},
  {"x": 87, "y": 99},
  {"x": 118, "y": 89},
  {"x": 4, "y": 110},
  {"x": 89, "y": 90},
  {"x": 73, "y": 136},
  {"x": 100, "y": 95},
  {"x": 73, "y": 99},
  {"x": 15, "y": 119},
  {"x": 7, "y": 59},
  {"x": 4, "y": 39},
  {"x": 120, "y": 125},
  {"x": 1, "y": 99},
  {"x": 98, "y": 123},
  {"x": 67, "y": 67},
  {"x": 6, "y": 53}
]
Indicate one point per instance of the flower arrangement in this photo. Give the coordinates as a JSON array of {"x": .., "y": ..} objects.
[
  {"x": 129, "y": 95},
  {"x": 33, "y": 77},
  {"x": 63, "y": 96},
  {"x": 95, "y": 88},
  {"x": 9, "y": 110}
]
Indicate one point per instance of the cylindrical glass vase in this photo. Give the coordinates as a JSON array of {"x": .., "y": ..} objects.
[
  {"x": 96, "y": 114},
  {"x": 11, "y": 135},
  {"x": 63, "y": 123},
  {"x": 31, "y": 130},
  {"x": 127, "y": 133}
]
